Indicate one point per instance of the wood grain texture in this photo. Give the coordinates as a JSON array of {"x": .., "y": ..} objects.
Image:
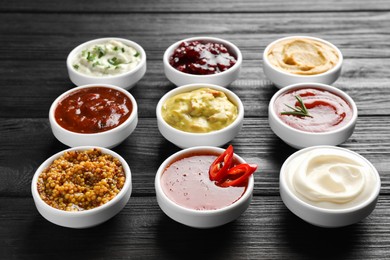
[
  {"x": 35, "y": 39},
  {"x": 188, "y": 6},
  {"x": 267, "y": 230},
  {"x": 53, "y": 35}
]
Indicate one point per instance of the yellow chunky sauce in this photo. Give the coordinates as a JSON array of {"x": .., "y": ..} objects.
[{"x": 200, "y": 111}]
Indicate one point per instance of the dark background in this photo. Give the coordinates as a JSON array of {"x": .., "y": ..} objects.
[{"x": 35, "y": 39}]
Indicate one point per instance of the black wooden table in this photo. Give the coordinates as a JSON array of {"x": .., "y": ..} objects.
[{"x": 35, "y": 39}]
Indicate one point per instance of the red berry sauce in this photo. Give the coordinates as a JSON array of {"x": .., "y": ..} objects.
[{"x": 201, "y": 58}]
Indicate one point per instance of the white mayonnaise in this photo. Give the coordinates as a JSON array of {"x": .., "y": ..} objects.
[
  {"x": 331, "y": 177},
  {"x": 106, "y": 59}
]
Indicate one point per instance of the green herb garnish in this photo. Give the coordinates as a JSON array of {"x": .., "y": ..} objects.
[
  {"x": 95, "y": 64},
  {"x": 136, "y": 54},
  {"x": 91, "y": 57},
  {"x": 123, "y": 49},
  {"x": 115, "y": 48},
  {"x": 300, "y": 110},
  {"x": 76, "y": 67},
  {"x": 100, "y": 51},
  {"x": 114, "y": 61}
]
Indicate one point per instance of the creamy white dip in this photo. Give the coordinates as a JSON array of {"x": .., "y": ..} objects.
[
  {"x": 331, "y": 178},
  {"x": 106, "y": 59}
]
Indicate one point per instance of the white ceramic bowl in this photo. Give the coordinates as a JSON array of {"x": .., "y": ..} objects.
[
  {"x": 125, "y": 80},
  {"x": 186, "y": 139},
  {"x": 201, "y": 218},
  {"x": 87, "y": 218},
  {"x": 301, "y": 139},
  {"x": 282, "y": 78},
  {"x": 224, "y": 78},
  {"x": 325, "y": 216},
  {"x": 108, "y": 139}
]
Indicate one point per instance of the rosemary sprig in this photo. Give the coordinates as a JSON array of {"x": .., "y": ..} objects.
[{"x": 300, "y": 110}]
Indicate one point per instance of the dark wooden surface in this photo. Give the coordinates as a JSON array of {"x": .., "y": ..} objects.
[{"x": 35, "y": 39}]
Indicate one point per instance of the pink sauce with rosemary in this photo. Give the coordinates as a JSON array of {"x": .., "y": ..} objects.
[
  {"x": 187, "y": 183},
  {"x": 327, "y": 110}
]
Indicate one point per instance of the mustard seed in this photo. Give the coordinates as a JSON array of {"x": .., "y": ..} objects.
[{"x": 78, "y": 180}]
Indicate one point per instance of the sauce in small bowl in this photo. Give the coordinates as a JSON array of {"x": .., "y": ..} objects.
[
  {"x": 329, "y": 186},
  {"x": 93, "y": 110},
  {"x": 188, "y": 119},
  {"x": 114, "y": 61},
  {"x": 309, "y": 114},
  {"x": 187, "y": 195},
  {"x": 326, "y": 111},
  {"x": 201, "y": 110},
  {"x": 82, "y": 186},
  {"x": 186, "y": 182},
  {"x": 96, "y": 115},
  {"x": 202, "y": 59},
  {"x": 301, "y": 59}
]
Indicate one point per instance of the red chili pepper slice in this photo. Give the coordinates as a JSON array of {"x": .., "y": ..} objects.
[
  {"x": 238, "y": 175},
  {"x": 219, "y": 168}
]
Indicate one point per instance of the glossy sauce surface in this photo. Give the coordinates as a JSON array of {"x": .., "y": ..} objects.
[
  {"x": 93, "y": 110},
  {"x": 328, "y": 111},
  {"x": 187, "y": 183},
  {"x": 330, "y": 177},
  {"x": 202, "y": 58}
]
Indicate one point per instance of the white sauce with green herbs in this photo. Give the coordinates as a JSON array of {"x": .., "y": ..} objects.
[{"x": 106, "y": 59}]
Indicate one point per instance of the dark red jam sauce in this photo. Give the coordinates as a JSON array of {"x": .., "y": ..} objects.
[
  {"x": 93, "y": 110},
  {"x": 327, "y": 110},
  {"x": 202, "y": 58}
]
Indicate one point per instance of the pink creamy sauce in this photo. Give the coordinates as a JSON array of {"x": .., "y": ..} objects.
[{"x": 187, "y": 183}]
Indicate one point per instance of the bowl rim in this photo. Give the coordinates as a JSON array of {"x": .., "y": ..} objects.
[
  {"x": 168, "y": 52},
  {"x": 285, "y": 73},
  {"x": 133, "y": 116},
  {"x": 172, "y": 158},
  {"x": 320, "y": 86},
  {"x": 283, "y": 183},
  {"x": 89, "y": 43},
  {"x": 37, "y": 198},
  {"x": 194, "y": 86}
]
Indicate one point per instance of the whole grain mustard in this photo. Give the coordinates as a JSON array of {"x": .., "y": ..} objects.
[{"x": 81, "y": 180}]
